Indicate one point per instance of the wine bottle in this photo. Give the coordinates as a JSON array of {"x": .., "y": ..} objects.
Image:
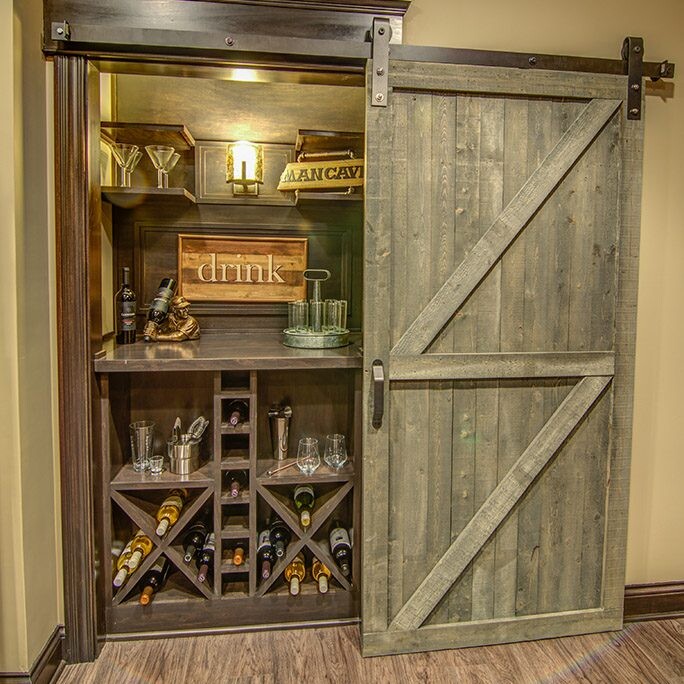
[
  {"x": 169, "y": 511},
  {"x": 153, "y": 580},
  {"x": 304, "y": 499},
  {"x": 124, "y": 310},
  {"x": 321, "y": 573},
  {"x": 294, "y": 573},
  {"x": 238, "y": 555},
  {"x": 130, "y": 557},
  {"x": 280, "y": 536},
  {"x": 340, "y": 547},
  {"x": 238, "y": 412},
  {"x": 265, "y": 554},
  {"x": 194, "y": 539},
  {"x": 205, "y": 562},
  {"x": 159, "y": 308},
  {"x": 121, "y": 563},
  {"x": 237, "y": 481}
]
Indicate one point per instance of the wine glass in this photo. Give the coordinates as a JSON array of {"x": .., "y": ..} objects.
[
  {"x": 169, "y": 167},
  {"x": 308, "y": 458},
  {"x": 123, "y": 153},
  {"x": 335, "y": 451},
  {"x": 130, "y": 167},
  {"x": 160, "y": 156}
]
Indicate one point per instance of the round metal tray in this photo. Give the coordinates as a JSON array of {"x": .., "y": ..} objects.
[{"x": 308, "y": 340}]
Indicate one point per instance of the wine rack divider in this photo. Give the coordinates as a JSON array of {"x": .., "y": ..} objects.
[{"x": 223, "y": 394}]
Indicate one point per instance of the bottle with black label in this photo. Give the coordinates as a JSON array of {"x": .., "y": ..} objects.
[
  {"x": 125, "y": 309},
  {"x": 205, "y": 561},
  {"x": 153, "y": 580},
  {"x": 238, "y": 412},
  {"x": 340, "y": 547},
  {"x": 159, "y": 308},
  {"x": 280, "y": 536}
]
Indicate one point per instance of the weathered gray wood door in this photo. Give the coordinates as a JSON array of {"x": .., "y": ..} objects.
[{"x": 502, "y": 226}]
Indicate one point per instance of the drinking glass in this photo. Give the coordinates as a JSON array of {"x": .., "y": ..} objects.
[
  {"x": 130, "y": 167},
  {"x": 157, "y": 464},
  {"x": 342, "y": 320},
  {"x": 332, "y": 315},
  {"x": 169, "y": 167},
  {"x": 142, "y": 444},
  {"x": 123, "y": 153},
  {"x": 308, "y": 458},
  {"x": 302, "y": 315},
  {"x": 160, "y": 156},
  {"x": 335, "y": 451},
  {"x": 316, "y": 315}
]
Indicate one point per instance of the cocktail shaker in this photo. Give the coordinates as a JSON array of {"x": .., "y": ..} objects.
[{"x": 279, "y": 417}]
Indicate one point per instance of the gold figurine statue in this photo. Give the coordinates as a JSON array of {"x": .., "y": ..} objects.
[{"x": 178, "y": 326}]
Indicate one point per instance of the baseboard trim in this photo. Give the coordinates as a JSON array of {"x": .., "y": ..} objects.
[
  {"x": 47, "y": 666},
  {"x": 657, "y": 601}
]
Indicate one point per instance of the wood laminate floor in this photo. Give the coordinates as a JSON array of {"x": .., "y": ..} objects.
[{"x": 643, "y": 653}]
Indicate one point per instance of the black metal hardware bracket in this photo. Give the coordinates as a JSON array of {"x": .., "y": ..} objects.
[
  {"x": 378, "y": 393},
  {"x": 633, "y": 57},
  {"x": 382, "y": 33},
  {"x": 59, "y": 30}
]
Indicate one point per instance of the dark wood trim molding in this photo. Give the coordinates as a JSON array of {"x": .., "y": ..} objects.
[
  {"x": 47, "y": 666},
  {"x": 657, "y": 601},
  {"x": 73, "y": 218}
]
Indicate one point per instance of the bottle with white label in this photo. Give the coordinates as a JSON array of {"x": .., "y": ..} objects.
[{"x": 304, "y": 499}]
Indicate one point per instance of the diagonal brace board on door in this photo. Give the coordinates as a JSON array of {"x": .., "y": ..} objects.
[{"x": 506, "y": 227}]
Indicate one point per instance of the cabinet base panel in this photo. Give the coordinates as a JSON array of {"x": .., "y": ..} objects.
[{"x": 236, "y": 614}]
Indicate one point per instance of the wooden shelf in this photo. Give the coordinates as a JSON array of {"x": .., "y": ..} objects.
[
  {"x": 142, "y": 134},
  {"x": 127, "y": 197},
  {"x": 235, "y": 532},
  {"x": 127, "y": 479},
  {"x": 235, "y": 459},
  {"x": 225, "y": 351},
  {"x": 230, "y": 569},
  {"x": 302, "y": 196},
  {"x": 234, "y": 393},
  {"x": 293, "y": 475},
  {"x": 239, "y": 429},
  {"x": 241, "y": 498}
]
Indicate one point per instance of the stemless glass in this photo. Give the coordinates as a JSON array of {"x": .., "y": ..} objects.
[
  {"x": 142, "y": 444},
  {"x": 302, "y": 315},
  {"x": 335, "y": 451},
  {"x": 308, "y": 458}
]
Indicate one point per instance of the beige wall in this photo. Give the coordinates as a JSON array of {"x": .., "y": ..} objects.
[
  {"x": 30, "y": 567},
  {"x": 587, "y": 27},
  {"x": 30, "y": 580}
]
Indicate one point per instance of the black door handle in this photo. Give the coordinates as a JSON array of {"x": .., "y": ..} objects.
[{"x": 378, "y": 393}]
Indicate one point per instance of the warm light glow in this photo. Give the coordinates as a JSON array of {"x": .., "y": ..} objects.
[
  {"x": 244, "y": 165},
  {"x": 245, "y": 75}
]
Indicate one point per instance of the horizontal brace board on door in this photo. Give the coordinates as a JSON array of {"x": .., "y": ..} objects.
[
  {"x": 505, "y": 365},
  {"x": 498, "y": 631},
  {"x": 526, "y": 60}
]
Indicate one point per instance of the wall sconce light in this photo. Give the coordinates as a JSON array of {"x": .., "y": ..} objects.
[{"x": 245, "y": 167}]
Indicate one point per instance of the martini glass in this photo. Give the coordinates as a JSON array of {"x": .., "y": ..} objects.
[
  {"x": 130, "y": 167},
  {"x": 160, "y": 156},
  {"x": 169, "y": 167},
  {"x": 123, "y": 154}
]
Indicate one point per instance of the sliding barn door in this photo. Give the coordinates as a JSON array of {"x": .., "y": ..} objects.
[{"x": 502, "y": 225}]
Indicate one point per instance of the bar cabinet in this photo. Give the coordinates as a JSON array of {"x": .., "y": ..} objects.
[{"x": 490, "y": 266}]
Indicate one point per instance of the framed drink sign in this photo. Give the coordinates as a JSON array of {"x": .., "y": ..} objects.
[{"x": 224, "y": 268}]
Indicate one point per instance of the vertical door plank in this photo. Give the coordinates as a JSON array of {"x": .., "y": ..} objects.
[
  {"x": 399, "y": 322},
  {"x": 539, "y": 142},
  {"x": 467, "y": 230},
  {"x": 602, "y": 277},
  {"x": 488, "y": 331},
  {"x": 557, "y": 481},
  {"x": 376, "y": 344},
  {"x": 440, "y": 434},
  {"x": 416, "y": 294},
  {"x": 513, "y": 404}
]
